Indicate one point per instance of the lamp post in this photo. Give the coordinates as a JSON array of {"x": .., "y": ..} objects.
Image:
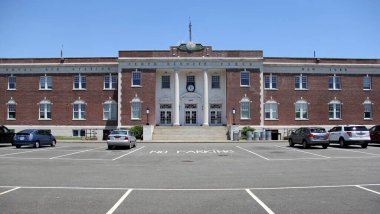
[
  {"x": 147, "y": 116},
  {"x": 233, "y": 116}
]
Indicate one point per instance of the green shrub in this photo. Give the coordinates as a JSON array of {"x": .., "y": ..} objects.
[
  {"x": 246, "y": 129},
  {"x": 138, "y": 131}
]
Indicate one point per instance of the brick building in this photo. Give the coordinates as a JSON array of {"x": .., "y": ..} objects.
[{"x": 187, "y": 85}]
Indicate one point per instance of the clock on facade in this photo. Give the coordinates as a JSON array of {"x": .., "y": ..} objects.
[{"x": 190, "y": 88}]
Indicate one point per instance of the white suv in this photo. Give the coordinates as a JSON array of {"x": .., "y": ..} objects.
[{"x": 350, "y": 135}]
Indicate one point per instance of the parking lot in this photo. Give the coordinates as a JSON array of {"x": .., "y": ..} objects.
[{"x": 189, "y": 178}]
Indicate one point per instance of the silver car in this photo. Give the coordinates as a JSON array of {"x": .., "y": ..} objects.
[
  {"x": 346, "y": 135},
  {"x": 121, "y": 138},
  {"x": 309, "y": 136}
]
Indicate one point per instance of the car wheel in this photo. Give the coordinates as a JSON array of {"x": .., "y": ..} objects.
[
  {"x": 325, "y": 146},
  {"x": 291, "y": 143},
  {"x": 37, "y": 144},
  {"x": 110, "y": 147},
  {"x": 342, "y": 143},
  {"x": 305, "y": 145},
  {"x": 53, "y": 143},
  {"x": 364, "y": 145},
  {"x": 18, "y": 146}
]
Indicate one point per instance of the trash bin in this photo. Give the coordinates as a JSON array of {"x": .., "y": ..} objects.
[
  {"x": 256, "y": 135},
  {"x": 236, "y": 135},
  {"x": 268, "y": 135},
  {"x": 262, "y": 135},
  {"x": 249, "y": 135}
]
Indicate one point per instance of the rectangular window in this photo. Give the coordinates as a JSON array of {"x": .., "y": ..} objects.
[
  {"x": 46, "y": 83},
  {"x": 11, "y": 111},
  {"x": 334, "y": 83},
  {"x": 136, "y": 78},
  {"x": 367, "y": 83},
  {"x": 301, "y": 111},
  {"x": 110, "y": 81},
  {"x": 190, "y": 80},
  {"x": 79, "y": 111},
  {"x": 215, "y": 81},
  {"x": 11, "y": 83},
  {"x": 245, "y": 110},
  {"x": 136, "y": 110},
  {"x": 80, "y": 82},
  {"x": 368, "y": 111},
  {"x": 271, "y": 111},
  {"x": 165, "y": 81},
  {"x": 244, "y": 78},
  {"x": 110, "y": 111},
  {"x": 45, "y": 111},
  {"x": 270, "y": 82},
  {"x": 335, "y": 111},
  {"x": 301, "y": 82},
  {"x": 79, "y": 133}
]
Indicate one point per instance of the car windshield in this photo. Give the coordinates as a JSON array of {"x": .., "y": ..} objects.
[
  {"x": 356, "y": 128},
  {"x": 121, "y": 132},
  {"x": 26, "y": 131},
  {"x": 318, "y": 130}
]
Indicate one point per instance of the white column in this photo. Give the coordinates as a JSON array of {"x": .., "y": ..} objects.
[
  {"x": 119, "y": 89},
  {"x": 176, "y": 98},
  {"x": 205, "y": 98}
]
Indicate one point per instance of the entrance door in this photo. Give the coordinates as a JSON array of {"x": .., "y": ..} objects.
[
  {"x": 216, "y": 114},
  {"x": 190, "y": 114},
  {"x": 165, "y": 117}
]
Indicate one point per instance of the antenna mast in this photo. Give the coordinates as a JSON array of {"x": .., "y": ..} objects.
[{"x": 190, "y": 28}]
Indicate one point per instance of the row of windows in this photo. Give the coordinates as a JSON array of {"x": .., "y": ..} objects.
[
  {"x": 79, "y": 82},
  {"x": 301, "y": 109},
  {"x": 79, "y": 110},
  {"x": 301, "y": 82},
  {"x": 165, "y": 81}
]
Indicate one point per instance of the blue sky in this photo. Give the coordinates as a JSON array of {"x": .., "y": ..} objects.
[{"x": 294, "y": 28}]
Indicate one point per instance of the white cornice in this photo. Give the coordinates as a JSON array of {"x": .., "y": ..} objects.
[{"x": 31, "y": 68}]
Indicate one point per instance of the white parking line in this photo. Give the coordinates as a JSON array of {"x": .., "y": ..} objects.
[
  {"x": 303, "y": 152},
  {"x": 252, "y": 153},
  {"x": 2, "y": 193},
  {"x": 260, "y": 202},
  {"x": 368, "y": 189},
  {"x": 15, "y": 153},
  {"x": 119, "y": 202},
  {"x": 346, "y": 150},
  {"x": 128, "y": 153},
  {"x": 74, "y": 153}
]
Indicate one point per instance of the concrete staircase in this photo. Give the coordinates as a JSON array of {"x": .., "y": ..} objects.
[{"x": 190, "y": 133}]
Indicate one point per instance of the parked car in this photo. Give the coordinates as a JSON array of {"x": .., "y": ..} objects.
[
  {"x": 35, "y": 137},
  {"x": 350, "y": 135},
  {"x": 6, "y": 135},
  {"x": 374, "y": 133},
  {"x": 309, "y": 136},
  {"x": 121, "y": 138}
]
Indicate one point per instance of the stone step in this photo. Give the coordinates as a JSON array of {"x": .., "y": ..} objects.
[{"x": 190, "y": 133}]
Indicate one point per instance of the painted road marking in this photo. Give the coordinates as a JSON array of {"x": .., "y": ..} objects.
[
  {"x": 252, "y": 153},
  {"x": 303, "y": 152},
  {"x": 5, "y": 192},
  {"x": 128, "y": 153},
  {"x": 119, "y": 201},
  {"x": 355, "y": 151},
  {"x": 209, "y": 151},
  {"x": 373, "y": 191},
  {"x": 34, "y": 150},
  {"x": 74, "y": 153},
  {"x": 262, "y": 204}
]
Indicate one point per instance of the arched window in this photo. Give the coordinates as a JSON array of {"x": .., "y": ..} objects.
[
  {"x": 11, "y": 109},
  {"x": 335, "y": 109},
  {"x": 245, "y": 108},
  {"x": 271, "y": 110},
  {"x": 301, "y": 109},
  {"x": 136, "y": 108},
  {"x": 367, "y": 109},
  {"x": 45, "y": 109},
  {"x": 110, "y": 110},
  {"x": 79, "y": 110}
]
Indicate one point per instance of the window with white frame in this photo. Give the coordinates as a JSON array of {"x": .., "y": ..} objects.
[
  {"x": 136, "y": 78},
  {"x": 80, "y": 82},
  {"x": 335, "y": 110},
  {"x": 301, "y": 82},
  {"x": 11, "y": 82},
  {"x": 45, "y": 110},
  {"x": 334, "y": 82},
  {"x": 244, "y": 78},
  {"x": 110, "y": 81},
  {"x": 301, "y": 109},
  {"x": 215, "y": 81},
  {"x": 46, "y": 83},
  {"x": 367, "y": 83},
  {"x": 11, "y": 110},
  {"x": 270, "y": 81},
  {"x": 136, "y": 108},
  {"x": 79, "y": 110},
  {"x": 367, "y": 109},
  {"x": 110, "y": 110},
  {"x": 245, "y": 108},
  {"x": 165, "y": 81},
  {"x": 271, "y": 110}
]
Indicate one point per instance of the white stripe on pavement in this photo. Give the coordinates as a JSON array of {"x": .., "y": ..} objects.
[
  {"x": 129, "y": 153},
  {"x": 252, "y": 152},
  {"x": 74, "y": 153},
  {"x": 373, "y": 191},
  {"x": 303, "y": 152},
  {"x": 119, "y": 201},
  {"x": 269, "y": 211},
  {"x": 2, "y": 193}
]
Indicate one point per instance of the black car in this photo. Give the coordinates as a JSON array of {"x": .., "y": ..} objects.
[
  {"x": 309, "y": 136},
  {"x": 6, "y": 135},
  {"x": 374, "y": 132}
]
